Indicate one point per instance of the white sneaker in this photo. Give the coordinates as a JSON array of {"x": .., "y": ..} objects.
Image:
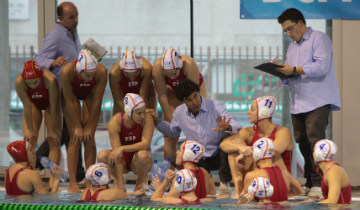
[
  {"x": 315, "y": 192},
  {"x": 224, "y": 189}
]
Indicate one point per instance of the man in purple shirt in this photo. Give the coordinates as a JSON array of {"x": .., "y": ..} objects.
[
  {"x": 205, "y": 121},
  {"x": 313, "y": 89},
  {"x": 60, "y": 46}
]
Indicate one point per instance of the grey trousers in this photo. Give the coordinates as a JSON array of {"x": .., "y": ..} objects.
[{"x": 309, "y": 128}]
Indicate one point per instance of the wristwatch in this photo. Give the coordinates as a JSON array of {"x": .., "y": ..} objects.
[{"x": 295, "y": 72}]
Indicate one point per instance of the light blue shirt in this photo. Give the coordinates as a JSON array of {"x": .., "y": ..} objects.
[
  {"x": 198, "y": 128},
  {"x": 58, "y": 42},
  {"x": 318, "y": 86}
]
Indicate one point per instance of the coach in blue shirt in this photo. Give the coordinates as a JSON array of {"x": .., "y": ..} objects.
[
  {"x": 61, "y": 45},
  {"x": 313, "y": 89},
  {"x": 202, "y": 120}
]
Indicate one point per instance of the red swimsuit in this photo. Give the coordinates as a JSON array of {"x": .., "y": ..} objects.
[
  {"x": 173, "y": 83},
  {"x": 12, "y": 187},
  {"x": 88, "y": 196},
  {"x": 278, "y": 182},
  {"x": 286, "y": 156},
  {"x": 128, "y": 85},
  {"x": 129, "y": 136},
  {"x": 200, "y": 190},
  {"x": 345, "y": 194},
  {"x": 39, "y": 96},
  {"x": 80, "y": 87}
]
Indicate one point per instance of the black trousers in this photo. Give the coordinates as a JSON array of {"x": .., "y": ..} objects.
[
  {"x": 43, "y": 150},
  {"x": 218, "y": 162},
  {"x": 308, "y": 129}
]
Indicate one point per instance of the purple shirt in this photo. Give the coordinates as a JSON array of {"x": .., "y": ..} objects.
[
  {"x": 318, "y": 86},
  {"x": 198, "y": 128},
  {"x": 58, "y": 42}
]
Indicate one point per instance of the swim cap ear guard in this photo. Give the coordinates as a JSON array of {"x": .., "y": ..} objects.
[
  {"x": 185, "y": 181},
  {"x": 265, "y": 107},
  {"x": 31, "y": 70},
  {"x": 261, "y": 188},
  {"x": 98, "y": 174},
  {"x": 132, "y": 102},
  {"x": 86, "y": 61},
  {"x": 18, "y": 152},
  {"x": 130, "y": 62},
  {"x": 171, "y": 60},
  {"x": 324, "y": 151},
  {"x": 263, "y": 149},
  {"x": 193, "y": 151}
]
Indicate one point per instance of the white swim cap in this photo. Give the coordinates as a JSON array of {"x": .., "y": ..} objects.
[
  {"x": 98, "y": 174},
  {"x": 261, "y": 188},
  {"x": 185, "y": 181},
  {"x": 324, "y": 151},
  {"x": 192, "y": 152},
  {"x": 263, "y": 149},
  {"x": 171, "y": 60},
  {"x": 130, "y": 62},
  {"x": 265, "y": 107},
  {"x": 132, "y": 102},
  {"x": 86, "y": 61}
]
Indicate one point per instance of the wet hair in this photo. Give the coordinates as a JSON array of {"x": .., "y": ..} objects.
[
  {"x": 291, "y": 14},
  {"x": 186, "y": 88}
]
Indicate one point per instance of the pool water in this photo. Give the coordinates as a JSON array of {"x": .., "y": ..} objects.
[{"x": 63, "y": 198}]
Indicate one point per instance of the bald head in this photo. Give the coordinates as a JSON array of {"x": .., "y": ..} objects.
[{"x": 68, "y": 15}]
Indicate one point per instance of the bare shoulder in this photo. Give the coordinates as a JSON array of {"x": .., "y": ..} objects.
[
  {"x": 115, "y": 70},
  {"x": 101, "y": 69},
  {"x": 67, "y": 72},
  {"x": 49, "y": 77},
  {"x": 283, "y": 130},
  {"x": 116, "y": 119},
  {"x": 157, "y": 69},
  {"x": 146, "y": 63},
  {"x": 19, "y": 81}
]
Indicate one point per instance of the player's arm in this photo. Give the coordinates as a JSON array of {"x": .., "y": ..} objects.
[
  {"x": 99, "y": 89},
  {"x": 115, "y": 77},
  {"x": 161, "y": 88},
  {"x": 146, "y": 75}
]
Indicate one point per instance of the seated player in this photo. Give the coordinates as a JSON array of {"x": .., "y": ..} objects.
[
  {"x": 260, "y": 190},
  {"x": 185, "y": 183},
  {"x": 187, "y": 157},
  {"x": 280, "y": 179},
  {"x": 100, "y": 178},
  {"x": 240, "y": 144},
  {"x": 21, "y": 179},
  {"x": 335, "y": 185}
]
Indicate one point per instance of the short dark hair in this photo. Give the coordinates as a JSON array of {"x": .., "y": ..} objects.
[
  {"x": 291, "y": 14},
  {"x": 186, "y": 88},
  {"x": 60, "y": 10}
]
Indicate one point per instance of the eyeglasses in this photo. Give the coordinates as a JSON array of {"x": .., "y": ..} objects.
[{"x": 290, "y": 28}]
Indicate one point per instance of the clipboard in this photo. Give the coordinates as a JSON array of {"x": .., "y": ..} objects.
[
  {"x": 95, "y": 48},
  {"x": 271, "y": 69}
]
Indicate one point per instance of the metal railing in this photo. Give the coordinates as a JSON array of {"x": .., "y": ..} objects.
[{"x": 229, "y": 74}]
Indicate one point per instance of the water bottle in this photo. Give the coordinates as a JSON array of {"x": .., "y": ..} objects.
[
  {"x": 154, "y": 171},
  {"x": 165, "y": 166},
  {"x": 47, "y": 163}
]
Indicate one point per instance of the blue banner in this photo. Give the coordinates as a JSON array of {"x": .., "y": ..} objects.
[{"x": 312, "y": 9}]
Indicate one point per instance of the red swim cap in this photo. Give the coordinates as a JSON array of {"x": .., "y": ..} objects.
[
  {"x": 17, "y": 150},
  {"x": 31, "y": 70}
]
